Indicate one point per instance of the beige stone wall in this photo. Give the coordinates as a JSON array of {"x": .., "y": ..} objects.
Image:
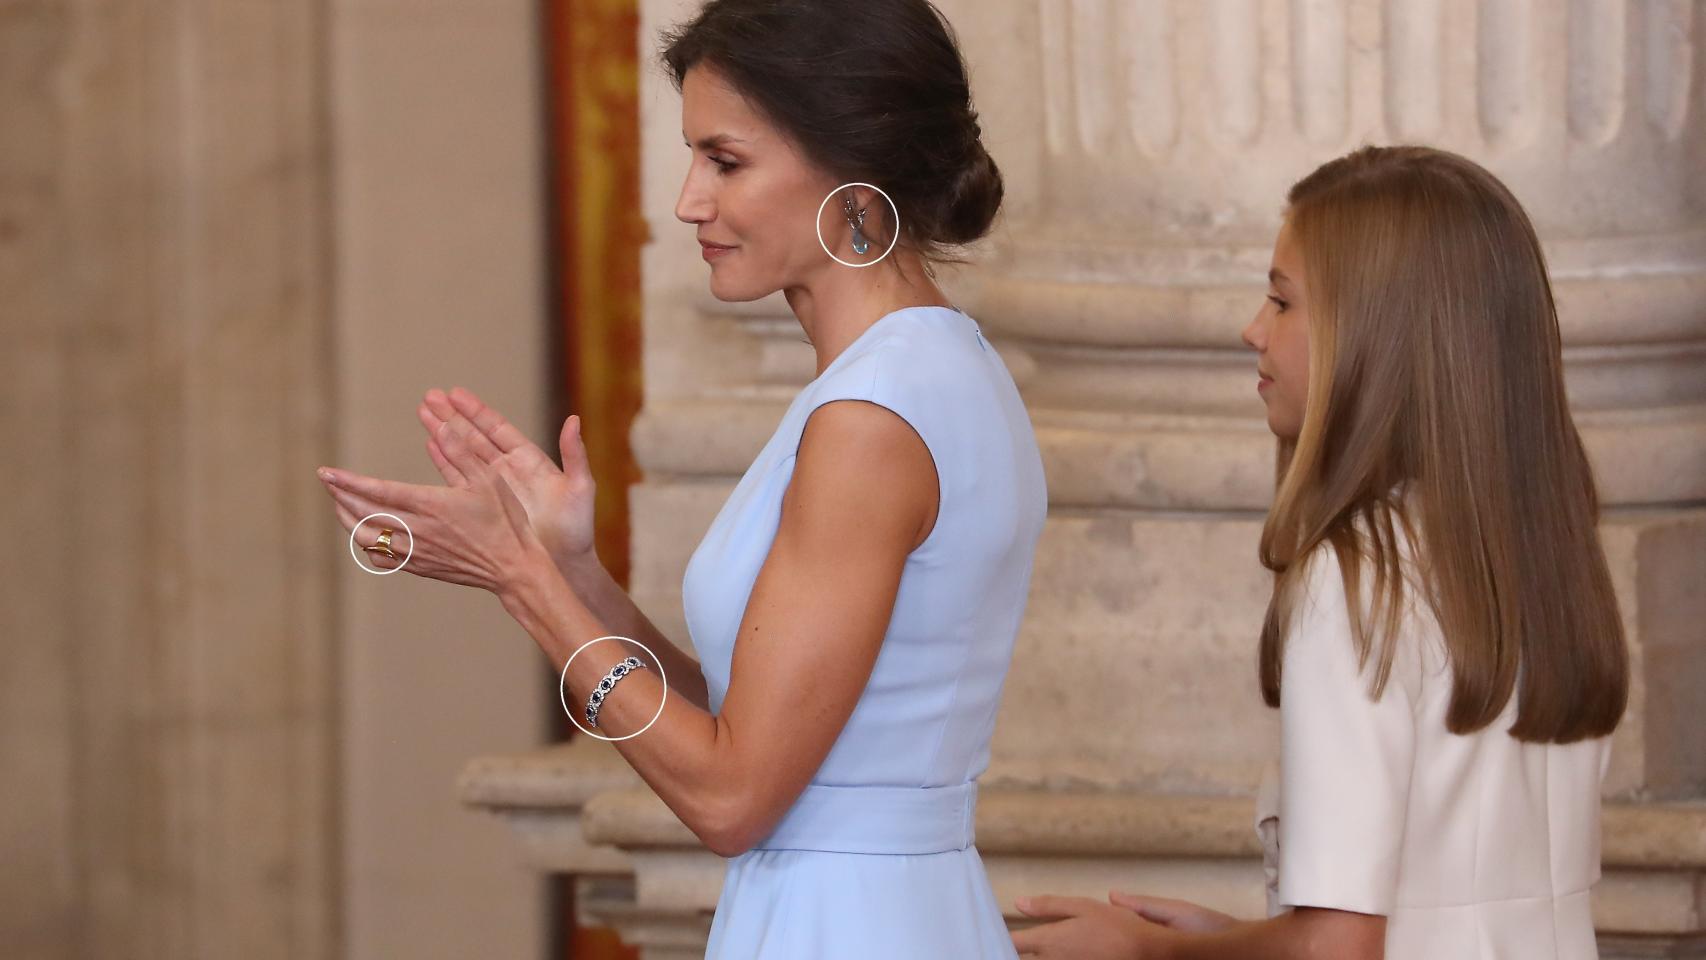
[
  {"x": 237, "y": 241},
  {"x": 169, "y": 752}
]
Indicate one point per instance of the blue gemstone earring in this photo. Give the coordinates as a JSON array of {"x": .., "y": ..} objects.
[{"x": 856, "y": 220}]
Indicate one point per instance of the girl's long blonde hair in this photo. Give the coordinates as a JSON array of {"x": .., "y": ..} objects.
[{"x": 1436, "y": 409}]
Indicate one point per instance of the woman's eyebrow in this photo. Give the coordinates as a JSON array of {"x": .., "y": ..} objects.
[
  {"x": 1276, "y": 275},
  {"x": 713, "y": 142}
]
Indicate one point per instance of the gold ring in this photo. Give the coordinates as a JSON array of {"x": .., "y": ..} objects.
[{"x": 383, "y": 546}]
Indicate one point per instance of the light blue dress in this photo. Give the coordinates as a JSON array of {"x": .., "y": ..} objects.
[{"x": 875, "y": 859}]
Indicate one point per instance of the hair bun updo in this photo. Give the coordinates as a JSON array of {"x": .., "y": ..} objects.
[{"x": 969, "y": 207}]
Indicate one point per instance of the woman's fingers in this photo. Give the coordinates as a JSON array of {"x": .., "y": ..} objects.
[
  {"x": 369, "y": 533},
  {"x": 460, "y": 545},
  {"x": 1048, "y": 905},
  {"x": 438, "y": 403},
  {"x": 466, "y": 446},
  {"x": 429, "y": 419},
  {"x": 451, "y": 473},
  {"x": 357, "y": 506},
  {"x": 469, "y": 457},
  {"x": 501, "y": 432},
  {"x": 428, "y": 413},
  {"x": 409, "y": 496},
  {"x": 433, "y": 410},
  {"x": 574, "y": 451},
  {"x": 346, "y": 519},
  {"x": 365, "y": 496},
  {"x": 436, "y": 413},
  {"x": 368, "y": 536}
]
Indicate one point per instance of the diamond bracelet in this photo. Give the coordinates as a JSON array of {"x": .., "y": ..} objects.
[{"x": 596, "y": 701}]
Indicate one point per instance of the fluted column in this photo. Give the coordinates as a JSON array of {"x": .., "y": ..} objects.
[
  {"x": 168, "y": 750},
  {"x": 237, "y": 240},
  {"x": 1169, "y": 133}
]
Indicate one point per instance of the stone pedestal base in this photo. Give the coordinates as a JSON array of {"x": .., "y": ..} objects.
[{"x": 578, "y": 810}]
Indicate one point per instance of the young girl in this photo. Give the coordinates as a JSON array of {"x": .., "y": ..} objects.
[{"x": 1443, "y": 643}]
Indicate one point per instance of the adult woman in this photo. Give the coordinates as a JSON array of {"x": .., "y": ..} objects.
[
  {"x": 1444, "y": 731},
  {"x": 855, "y": 603}
]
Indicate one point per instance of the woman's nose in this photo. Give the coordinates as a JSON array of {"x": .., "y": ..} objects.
[{"x": 692, "y": 206}]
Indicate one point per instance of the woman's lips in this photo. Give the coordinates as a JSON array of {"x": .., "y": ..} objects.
[
  {"x": 711, "y": 251},
  {"x": 1262, "y": 383}
]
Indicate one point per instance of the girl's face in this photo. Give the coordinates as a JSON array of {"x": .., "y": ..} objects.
[
  {"x": 1280, "y": 336},
  {"x": 752, "y": 197}
]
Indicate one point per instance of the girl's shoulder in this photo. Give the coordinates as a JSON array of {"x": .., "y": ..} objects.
[{"x": 1322, "y": 606}]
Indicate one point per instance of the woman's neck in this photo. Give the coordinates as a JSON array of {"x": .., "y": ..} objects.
[{"x": 840, "y": 303}]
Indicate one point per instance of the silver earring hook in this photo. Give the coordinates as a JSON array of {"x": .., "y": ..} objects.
[{"x": 856, "y": 220}]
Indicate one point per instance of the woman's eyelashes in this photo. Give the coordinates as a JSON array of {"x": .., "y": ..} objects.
[
  {"x": 1276, "y": 301},
  {"x": 724, "y": 165}
]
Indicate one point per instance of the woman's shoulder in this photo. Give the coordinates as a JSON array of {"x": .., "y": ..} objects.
[
  {"x": 917, "y": 341},
  {"x": 918, "y": 352}
]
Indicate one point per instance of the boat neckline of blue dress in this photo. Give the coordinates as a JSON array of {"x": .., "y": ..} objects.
[{"x": 879, "y": 322}]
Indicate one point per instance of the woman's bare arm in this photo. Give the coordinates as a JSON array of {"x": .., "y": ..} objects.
[
  {"x": 813, "y": 625},
  {"x": 613, "y": 607}
]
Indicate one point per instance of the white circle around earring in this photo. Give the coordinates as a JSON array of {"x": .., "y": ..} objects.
[{"x": 892, "y": 240}]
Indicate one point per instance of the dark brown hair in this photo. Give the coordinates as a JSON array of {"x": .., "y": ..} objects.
[
  {"x": 870, "y": 90},
  {"x": 1436, "y": 368}
]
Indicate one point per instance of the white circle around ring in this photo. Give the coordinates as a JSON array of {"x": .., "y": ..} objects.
[
  {"x": 406, "y": 556},
  {"x": 819, "y": 225},
  {"x": 563, "y": 686}
]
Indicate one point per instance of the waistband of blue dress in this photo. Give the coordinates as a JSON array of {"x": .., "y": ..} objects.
[{"x": 878, "y": 819}]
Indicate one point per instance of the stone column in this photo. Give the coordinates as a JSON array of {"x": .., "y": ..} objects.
[
  {"x": 168, "y": 745},
  {"x": 438, "y": 154},
  {"x": 1169, "y": 133},
  {"x": 237, "y": 241},
  {"x": 1148, "y": 147}
]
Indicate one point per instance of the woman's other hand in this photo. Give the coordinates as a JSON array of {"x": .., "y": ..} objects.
[{"x": 559, "y": 502}]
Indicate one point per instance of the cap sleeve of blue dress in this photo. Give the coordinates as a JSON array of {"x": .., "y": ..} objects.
[
  {"x": 857, "y": 378},
  {"x": 879, "y": 374},
  {"x": 1345, "y": 758},
  {"x": 886, "y": 377}
]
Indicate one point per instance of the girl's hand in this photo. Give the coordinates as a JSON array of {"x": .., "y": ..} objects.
[
  {"x": 476, "y": 535},
  {"x": 466, "y": 438},
  {"x": 1087, "y": 930},
  {"x": 1173, "y": 914}
]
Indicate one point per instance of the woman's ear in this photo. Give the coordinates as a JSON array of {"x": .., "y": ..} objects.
[{"x": 851, "y": 200}]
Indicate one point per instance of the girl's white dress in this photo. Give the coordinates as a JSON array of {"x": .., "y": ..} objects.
[{"x": 1475, "y": 847}]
